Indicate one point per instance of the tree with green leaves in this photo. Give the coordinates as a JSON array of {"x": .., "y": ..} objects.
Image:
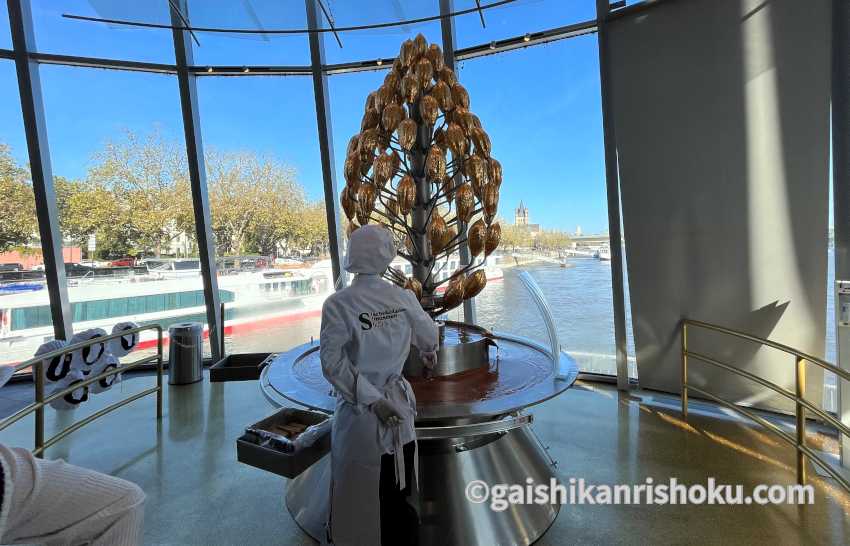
[{"x": 18, "y": 221}]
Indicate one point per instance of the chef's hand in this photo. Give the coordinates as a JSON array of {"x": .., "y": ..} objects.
[
  {"x": 387, "y": 412},
  {"x": 429, "y": 359}
]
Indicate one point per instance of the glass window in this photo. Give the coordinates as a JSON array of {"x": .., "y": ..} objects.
[
  {"x": 517, "y": 18},
  {"x": 5, "y": 31},
  {"x": 359, "y": 45},
  {"x": 56, "y": 33},
  {"x": 541, "y": 107},
  {"x": 116, "y": 143},
  {"x": 25, "y": 320},
  {"x": 238, "y": 49},
  {"x": 267, "y": 203}
]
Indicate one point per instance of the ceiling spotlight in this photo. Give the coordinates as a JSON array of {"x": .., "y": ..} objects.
[
  {"x": 209, "y": 69},
  {"x": 492, "y": 45},
  {"x": 526, "y": 38},
  {"x": 380, "y": 62},
  {"x": 246, "y": 70}
]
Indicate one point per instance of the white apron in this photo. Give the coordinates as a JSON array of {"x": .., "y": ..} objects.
[{"x": 367, "y": 331}]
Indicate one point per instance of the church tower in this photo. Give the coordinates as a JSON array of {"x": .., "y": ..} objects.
[{"x": 521, "y": 215}]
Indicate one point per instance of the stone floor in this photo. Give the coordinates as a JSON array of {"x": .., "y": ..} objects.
[{"x": 198, "y": 494}]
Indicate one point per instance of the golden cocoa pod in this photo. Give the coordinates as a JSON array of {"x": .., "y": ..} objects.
[
  {"x": 350, "y": 228},
  {"x": 370, "y": 100},
  {"x": 490, "y": 200},
  {"x": 392, "y": 80},
  {"x": 370, "y": 120},
  {"x": 386, "y": 95},
  {"x": 408, "y": 244},
  {"x": 437, "y": 232},
  {"x": 397, "y": 69},
  {"x": 368, "y": 143},
  {"x": 494, "y": 169},
  {"x": 443, "y": 93},
  {"x": 351, "y": 168},
  {"x": 382, "y": 169},
  {"x": 476, "y": 236},
  {"x": 424, "y": 72},
  {"x": 348, "y": 204},
  {"x": 494, "y": 235},
  {"x": 353, "y": 145},
  {"x": 465, "y": 203},
  {"x": 406, "y": 194},
  {"x": 476, "y": 170},
  {"x": 456, "y": 140},
  {"x": 414, "y": 286},
  {"x": 481, "y": 141},
  {"x": 435, "y": 164},
  {"x": 410, "y": 87},
  {"x": 353, "y": 188},
  {"x": 429, "y": 109},
  {"x": 474, "y": 284},
  {"x": 454, "y": 295},
  {"x": 406, "y": 132},
  {"x": 407, "y": 53},
  {"x": 440, "y": 139},
  {"x": 459, "y": 95},
  {"x": 448, "y": 75},
  {"x": 421, "y": 45},
  {"x": 435, "y": 55},
  {"x": 393, "y": 115},
  {"x": 366, "y": 160},
  {"x": 365, "y": 203}
]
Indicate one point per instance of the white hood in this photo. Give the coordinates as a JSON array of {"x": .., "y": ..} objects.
[{"x": 370, "y": 250}]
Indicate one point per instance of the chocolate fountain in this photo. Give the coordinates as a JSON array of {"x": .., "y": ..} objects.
[{"x": 471, "y": 423}]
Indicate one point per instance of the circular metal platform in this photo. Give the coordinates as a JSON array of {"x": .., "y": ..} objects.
[{"x": 521, "y": 374}]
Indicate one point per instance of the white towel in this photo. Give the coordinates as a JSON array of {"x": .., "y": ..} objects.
[
  {"x": 87, "y": 358},
  {"x": 57, "y": 368},
  {"x": 122, "y": 346},
  {"x": 108, "y": 362}
]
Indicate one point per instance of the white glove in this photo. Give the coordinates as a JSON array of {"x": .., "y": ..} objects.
[
  {"x": 429, "y": 359},
  {"x": 387, "y": 412}
]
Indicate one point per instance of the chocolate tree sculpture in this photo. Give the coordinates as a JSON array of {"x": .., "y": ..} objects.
[{"x": 398, "y": 174}]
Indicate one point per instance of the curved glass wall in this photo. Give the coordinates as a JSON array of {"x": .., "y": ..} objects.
[
  {"x": 124, "y": 199},
  {"x": 266, "y": 196},
  {"x": 23, "y": 299},
  {"x": 111, "y": 130}
]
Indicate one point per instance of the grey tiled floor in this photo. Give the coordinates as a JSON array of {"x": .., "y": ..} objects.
[{"x": 197, "y": 493}]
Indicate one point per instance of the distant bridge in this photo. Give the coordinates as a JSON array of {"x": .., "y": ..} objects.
[{"x": 590, "y": 240}]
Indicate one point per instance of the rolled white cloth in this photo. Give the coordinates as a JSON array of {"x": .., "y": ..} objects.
[
  {"x": 57, "y": 368},
  {"x": 86, "y": 358},
  {"x": 55, "y": 503},
  {"x": 122, "y": 346},
  {"x": 108, "y": 362},
  {"x": 73, "y": 398}
]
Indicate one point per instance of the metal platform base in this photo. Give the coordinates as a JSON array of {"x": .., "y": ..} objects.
[{"x": 448, "y": 518}]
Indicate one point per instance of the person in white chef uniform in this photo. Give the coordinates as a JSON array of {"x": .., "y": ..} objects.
[{"x": 366, "y": 334}]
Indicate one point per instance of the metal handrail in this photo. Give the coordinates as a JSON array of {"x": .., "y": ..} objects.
[
  {"x": 798, "y": 396},
  {"x": 37, "y": 363}
]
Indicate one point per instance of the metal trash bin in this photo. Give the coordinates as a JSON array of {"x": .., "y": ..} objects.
[{"x": 185, "y": 353}]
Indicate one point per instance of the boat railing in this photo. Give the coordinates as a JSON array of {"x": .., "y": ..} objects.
[
  {"x": 41, "y": 401},
  {"x": 801, "y": 404}
]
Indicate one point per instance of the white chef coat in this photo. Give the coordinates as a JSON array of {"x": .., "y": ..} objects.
[{"x": 367, "y": 331}]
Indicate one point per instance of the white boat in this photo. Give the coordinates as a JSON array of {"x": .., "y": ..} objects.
[
  {"x": 171, "y": 292},
  {"x": 604, "y": 254},
  {"x": 166, "y": 296}
]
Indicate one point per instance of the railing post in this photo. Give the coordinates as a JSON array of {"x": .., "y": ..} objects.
[
  {"x": 800, "y": 412},
  {"x": 39, "y": 413},
  {"x": 159, "y": 373},
  {"x": 684, "y": 369}
]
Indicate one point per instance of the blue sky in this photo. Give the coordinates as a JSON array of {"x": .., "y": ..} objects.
[{"x": 540, "y": 105}]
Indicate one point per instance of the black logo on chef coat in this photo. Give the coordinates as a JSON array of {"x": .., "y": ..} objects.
[{"x": 378, "y": 319}]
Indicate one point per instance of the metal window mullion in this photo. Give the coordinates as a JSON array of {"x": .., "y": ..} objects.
[
  {"x": 323, "y": 125},
  {"x": 198, "y": 179},
  {"x": 41, "y": 172},
  {"x": 448, "y": 34},
  {"x": 612, "y": 183}
]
